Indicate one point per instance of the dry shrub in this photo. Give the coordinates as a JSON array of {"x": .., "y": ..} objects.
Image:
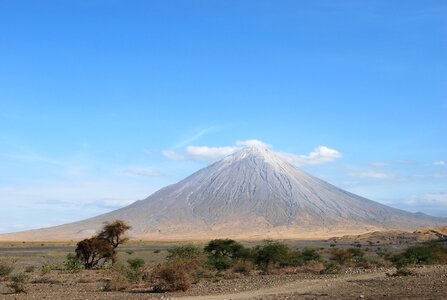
[
  {"x": 288, "y": 270},
  {"x": 6, "y": 267},
  {"x": 170, "y": 277},
  {"x": 314, "y": 267},
  {"x": 30, "y": 269},
  {"x": 46, "y": 280},
  {"x": 346, "y": 256},
  {"x": 19, "y": 282},
  {"x": 243, "y": 267},
  {"x": 116, "y": 282},
  {"x": 229, "y": 274}
]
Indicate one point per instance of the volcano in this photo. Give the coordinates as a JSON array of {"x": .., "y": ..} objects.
[{"x": 252, "y": 194}]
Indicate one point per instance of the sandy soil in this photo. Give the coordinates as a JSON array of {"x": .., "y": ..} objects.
[{"x": 428, "y": 283}]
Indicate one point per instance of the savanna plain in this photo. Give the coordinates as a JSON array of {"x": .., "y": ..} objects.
[{"x": 381, "y": 265}]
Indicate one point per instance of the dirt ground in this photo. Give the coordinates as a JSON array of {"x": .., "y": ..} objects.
[{"x": 428, "y": 283}]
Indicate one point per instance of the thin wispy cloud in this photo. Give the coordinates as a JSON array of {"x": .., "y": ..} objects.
[
  {"x": 194, "y": 137},
  {"x": 440, "y": 163},
  {"x": 33, "y": 157},
  {"x": 147, "y": 172},
  {"x": 373, "y": 175},
  {"x": 379, "y": 164},
  {"x": 431, "y": 203}
]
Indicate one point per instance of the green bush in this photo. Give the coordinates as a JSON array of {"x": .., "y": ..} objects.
[
  {"x": 223, "y": 253},
  {"x": 429, "y": 253},
  {"x": 19, "y": 282},
  {"x": 331, "y": 267},
  {"x": 270, "y": 254},
  {"x": 220, "y": 262},
  {"x": 135, "y": 269},
  {"x": 227, "y": 248},
  {"x": 136, "y": 263},
  {"x": 310, "y": 254},
  {"x": 73, "y": 264},
  {"x": 185, "y": 252},
  {"x": 298, "y": 258}
]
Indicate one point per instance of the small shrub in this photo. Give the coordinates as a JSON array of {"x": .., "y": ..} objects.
[
  {"x": 73, "y": 264},
  {"x": 344, "y": 256},
  {"x": 243, "y": 266},
  {"x": 169, "y": 278},
  {"x": 46, "y": 280},
  {"x": 402, "y": 272},
  {"x": 331, "y": 267},
  {"x": 30, "y": 269},
  {"x": 45, "y": 269},
  {"x": 134, "y": 271},
  {"x": 314, "y": 267},
  {"x": 116, "y": 282},
  {"x": 6, "y": 268},
  {"x": 310, "y": 255},
  {"x": 157, "y": 251},
  {"x": 19, "y": 282},
  {"x": 136, "y": 263}
]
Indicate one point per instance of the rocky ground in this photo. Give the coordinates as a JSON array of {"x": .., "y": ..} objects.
[{"x": 429, "y": 282}]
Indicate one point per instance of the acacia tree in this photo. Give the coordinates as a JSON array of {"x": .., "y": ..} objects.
[
  {"x": 114, "y": 232},
  {"x": 102, "y": 247},
  {"x": 94, "y": 250},
  {"x": 226, "y": 248}
]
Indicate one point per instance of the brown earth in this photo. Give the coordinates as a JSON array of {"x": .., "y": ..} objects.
[{"x": 430, "y": 282}]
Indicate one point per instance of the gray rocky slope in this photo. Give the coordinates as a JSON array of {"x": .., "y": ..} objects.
[{"x": 252, "y": 193}]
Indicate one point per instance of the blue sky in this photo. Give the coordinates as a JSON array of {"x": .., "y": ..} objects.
[{"x": 104, "y": 102}]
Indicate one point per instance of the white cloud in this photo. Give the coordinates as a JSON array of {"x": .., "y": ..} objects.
[
  {"x": 440, "y": 163},
  {"x": 374, "y": 175},
  {"x": 208, "y": 154},
  {"x": 248, "y": 143},
  {"x": 211, "y": 154},
  {"x": 173, "y": 155},
  {"x": 321, "y": 154}
]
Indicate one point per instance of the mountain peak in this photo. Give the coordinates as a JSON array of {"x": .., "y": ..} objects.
[{"x": 257, "y": 151}]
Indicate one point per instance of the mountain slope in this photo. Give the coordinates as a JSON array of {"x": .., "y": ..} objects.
[{"x": 252, "y": 193}]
